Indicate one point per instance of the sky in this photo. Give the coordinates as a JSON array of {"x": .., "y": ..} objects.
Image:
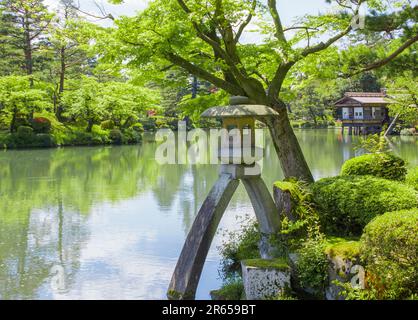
[{"x": 289, "y": 10}]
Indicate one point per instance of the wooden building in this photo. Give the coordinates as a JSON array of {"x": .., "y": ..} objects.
[{"x": 363, "y": 112}]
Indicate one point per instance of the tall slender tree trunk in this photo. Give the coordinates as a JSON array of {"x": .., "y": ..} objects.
[{"x": 60, "y": 108}]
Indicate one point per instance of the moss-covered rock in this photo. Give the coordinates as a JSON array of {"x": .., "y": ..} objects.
[
  {"x": 347, "y": 204},
  {"x": 341, "y": 247},
  {"x": 278, "y": 263},
  {"x": 383, "y": 165},
  {"x": 389, "y": 248}
]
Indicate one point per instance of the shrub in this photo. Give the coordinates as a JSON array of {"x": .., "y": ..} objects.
[
  {"x": 389, "y": 249},
  {"x": 41, "y": 125},
  {"x": 312, "y": 267},
  {"x": 384, "y": 165},
  {"x": 131, "y": 136},
  {"x": 231, "y": 290},
  {"x": 116, "y": 136},
  {"x": 138, "y": 127},
  {"x": 107, "y": 125},
  {"x": 241, "y": 245},
  {"x": 24, "y": 132},
  {"x": 44, "y": 140},
  {"x": 347, "y": 204},
  {"x": 412, "y": 178}
]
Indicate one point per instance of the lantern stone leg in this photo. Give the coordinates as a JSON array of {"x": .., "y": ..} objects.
[
  {"x": 189, "y": 267},
  {"x": 265, "y": 211}
]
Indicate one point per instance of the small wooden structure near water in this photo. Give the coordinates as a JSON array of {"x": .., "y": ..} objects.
[{"x": 363, "y": 112}]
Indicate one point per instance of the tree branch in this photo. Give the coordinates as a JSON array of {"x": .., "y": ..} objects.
[
  {"x": 203, "y": 74},
  {"x": 393, "y": 55},
  {"x": 245, "y": 23},
  {"x": 277, "y": 21}
]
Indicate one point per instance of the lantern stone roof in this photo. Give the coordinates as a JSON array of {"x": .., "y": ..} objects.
[{"x": 236, "y": 111}]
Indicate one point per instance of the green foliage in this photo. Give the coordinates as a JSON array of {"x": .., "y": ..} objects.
[
  {"x": 312, "y": 266},
  {"x": 41, "y": 125},
  {"x": 374, "y": 143},
  {"x": 240, "y": 245},
  {"x": 347, "y": 204},
  {"x": 403, "y": 95},
  {"x": 342, "y": 247},
  {"x": 138, "y": 127},
  {"x": 389, "y": 248},
  {"x": 278, "y": 263},
  {"x": 303, "y": 221},
  {"x": 384, "y": 165},
  {"x": 107, "y": 125},
  {"x": 24, "y": 132},
  {"x": 231, "y": 290},
  {"x": 116, "y": 136},
  {"x": 131, "y": 136},
  {"x": 412, "y": 178}
]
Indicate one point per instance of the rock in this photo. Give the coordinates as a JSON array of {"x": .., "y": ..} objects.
[{"x": 265, "y": 279}]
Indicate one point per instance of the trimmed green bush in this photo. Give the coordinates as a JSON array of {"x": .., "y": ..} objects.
[
  {"x": 25, "y": 132},
  {"x": 389, "y": 247},
  {"x": 384, "y": 165},
  {"x": 347, "y": 204},
  {"x": 412, "y": 178},
  {"x": 41, "y": 125}
]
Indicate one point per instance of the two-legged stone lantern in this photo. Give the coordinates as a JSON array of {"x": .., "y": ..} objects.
[{"x": 241, "y": 115}]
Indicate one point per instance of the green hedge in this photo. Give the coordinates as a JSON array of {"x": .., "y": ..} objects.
[
  {"x": 389, "y": 248},
  {"x": 412, "y": 178},
  {"x": 347, "y": 204},
  {"x": 384, "y": 165}
]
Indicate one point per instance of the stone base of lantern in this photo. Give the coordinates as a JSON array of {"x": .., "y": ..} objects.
[{"x": 264, "y": 279}]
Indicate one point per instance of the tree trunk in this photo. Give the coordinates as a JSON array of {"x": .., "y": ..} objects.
[
  {"x": 60, "y": 108},
  {"x": 90, "y": 124},
  {"x": 287, "y": 146}
]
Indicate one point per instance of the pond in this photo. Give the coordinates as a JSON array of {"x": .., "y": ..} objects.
[{"x": 109, "y": 222}]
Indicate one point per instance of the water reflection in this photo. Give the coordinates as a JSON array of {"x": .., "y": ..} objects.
[{"x": 115, "y": 220}]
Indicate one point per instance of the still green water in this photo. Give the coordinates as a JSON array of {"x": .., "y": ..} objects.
[{"x": 109, "y": 222}]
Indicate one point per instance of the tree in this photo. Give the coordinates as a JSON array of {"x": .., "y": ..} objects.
[
  {"x": 82, "y": 102},
  {"x": 69, "y": 40},
  {"x": 204, "y": 39},
  {"x": 124, "y": 102},
  {"x": 19, "y": 100},
  {"x": 26, "y": 22},
  {"x": 403, "y": 95}
]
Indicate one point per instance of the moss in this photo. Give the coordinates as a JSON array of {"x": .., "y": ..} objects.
[
  {"x": 383, "y": 165},
  {"x": 341, "y": 247},
  {"x": 233, "y": 290},
  {"x": 347, "y": 204},
  {"x": 278, "y": 264}
]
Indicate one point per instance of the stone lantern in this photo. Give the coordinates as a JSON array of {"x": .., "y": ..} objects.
[{"x": 236, "y": 118}]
